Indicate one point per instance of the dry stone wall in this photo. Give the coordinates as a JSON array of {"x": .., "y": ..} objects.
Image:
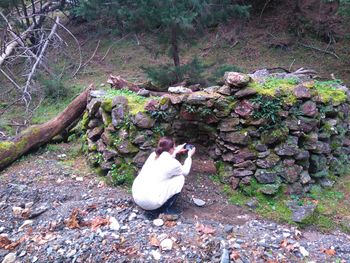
[{"x": 267, "y": 129}]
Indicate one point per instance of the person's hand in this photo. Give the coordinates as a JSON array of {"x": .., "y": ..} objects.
[
  {"x": 180, "y": 149},
  {"x": 191, "y": 152}
]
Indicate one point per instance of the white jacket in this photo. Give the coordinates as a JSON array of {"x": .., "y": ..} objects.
[{"x": 159, "y": 179}]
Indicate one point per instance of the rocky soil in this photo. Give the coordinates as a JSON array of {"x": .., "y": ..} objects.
[{"x": 54, "y": 212}]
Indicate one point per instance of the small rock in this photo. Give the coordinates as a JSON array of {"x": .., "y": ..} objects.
[
  {"x": 156, "y": 255},
  {"x": 25, "y": 224},
  {"x": 113, "y": 224},
  {"x": 158, "y": 222},
  {"x": 79, "y": 179},
  {"x": 225, "y": 256},
  {"x": 61, "y": 156},
  {"x": 303, "y": 251},
  {"x": 198, "y": 202},
  {"x": 9, "y": 258},
  {"x": 17, "y": 211},
  {"x": 22, "y": 254},
  {"x": 228, "y": 228},
  {"x": 179, "y": 90},
  {"x": 166, "y": 244},
  {"x": 35, "y": 259}
]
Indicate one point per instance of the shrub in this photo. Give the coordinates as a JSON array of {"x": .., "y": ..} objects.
[
  {"x": 54, "y": 88},
  {"x": 123, "y": 174}
]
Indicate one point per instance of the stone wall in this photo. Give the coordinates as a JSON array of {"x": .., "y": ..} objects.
[{"x": 274, "y": 129}]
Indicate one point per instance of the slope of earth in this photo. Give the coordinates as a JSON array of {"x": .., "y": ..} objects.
[{"x": 54, "y": 209}]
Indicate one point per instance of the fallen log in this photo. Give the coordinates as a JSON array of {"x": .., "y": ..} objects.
[{"x": 38, "y": 135}]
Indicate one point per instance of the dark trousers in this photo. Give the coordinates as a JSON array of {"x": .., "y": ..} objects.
[{"x": 166, "y": 206}]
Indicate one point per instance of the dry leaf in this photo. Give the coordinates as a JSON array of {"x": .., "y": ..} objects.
[
  {"x": 170, "y": 223},
  {"x": 73, "y": 222},
  {"x": 284, "y": 243},
  {"x": 98, "y": 221},
  {"x": 235, "y": 255},
  {"x": 4, "y": 241},
  {"x": 205, "y": 229},
  {"x": 329, "y": 252},
  {"x": 154, "y": 241}
]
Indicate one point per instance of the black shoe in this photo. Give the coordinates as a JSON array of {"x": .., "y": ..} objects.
[{"x": 172, "y": 211}]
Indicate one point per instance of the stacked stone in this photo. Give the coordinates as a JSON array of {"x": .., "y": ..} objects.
[{"x": 309, "y": 146}]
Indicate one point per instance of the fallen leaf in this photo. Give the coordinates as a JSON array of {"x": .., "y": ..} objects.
[
  {"x": 98, "y": 221},
  {"x": 73, "y": 222},
  {"x": 4, "y": 241},
  {"x": 170, "y": 223},
  {"x": 205, "y": 229},
  {"x": 284, "y": 243},
  {"x": 235, "y": 255},
  {"x": 154, "y": 241},
  {"x": 329, "y": 252},
  {"x": 297, "y": 233}
]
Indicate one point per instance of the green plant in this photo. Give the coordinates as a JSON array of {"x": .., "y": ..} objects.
[
  {"x": 329, "y": 91},
  {"x": 268, "y": 108},
  {"x": 53, "y": 88},
  {"x": 123, "y": 174}
]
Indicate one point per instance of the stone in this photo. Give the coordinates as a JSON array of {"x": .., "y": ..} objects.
[
  {"x": 120, "y": 101},
  {"x": 262, "y": 155},
  {"x": 252, "y": 203},
  {"x": 158, "y": 222},
  {"x": 93, "y": 106},
  {"x": 270, "y": 189},
  {"x": 142, "y": 120},
  {"x": 268, "y": 162},
  {"x": 241, "y": 172},
  {"x": 225, "y": 90},
  {"x": 156, "y": 255},
  {"x": 95, "y": 133},
  {"x": 309, "y": 109},
  {"x": 126, "y": 147},
  {"x": 302, "y": 92},
  {"x": 144, "y": 93},
  {"x": 118, "y": 115},
  {"x": 238, "y": 138},
  {"x": 302, "y": 155},
  {"x": 261, "y": 147},
  {"x": 317, "y": 163},
  {"x": 25, "y": 224},
  {"x": 101, "y": 146},
  {"x": 179, "y": 90},
  {"x": 107, "y": 138},
  {"x": 305, "y": 177},
  {"x": 248, "y": 165},
  {"x": 94, "y": 123},
  {"x": 234, "y": 182},
  {"x": 140, "y": 158},
  {"x": 98, "y": 93},
  {"x": 244, "y": 108},
  {"x": 266, "y": 176},
  {"x": 236, "y": 79},
  {"x": 289, "y": 148},
  {"x": 106, "y": 105},
  {"x": 176, "y": 99},
  {"x": 308, "y": 124},
  {"x": 199, "y": 98},
  {"x": 245, "y": 93},
  {"x": 326, "y": 183},
  {"x": 114, "y": 224},
  {"x": 211, "y": 89},
  {"x": 109, "y": 154},
  {"x": 322, "y": 148},
  {"x": 291, "y": 173},
  {"x": 225, "y": 256},
  {"x": 309, "y": 141},
  {"x": 9, "y": 258},
  {"x": 229, "y": 124},
  {"x": 295, "y": 189},
  {"x": 239, "y": 157},
  {"x": 198, "y": 202},
  {"x": 301, "y": 213},
  {"x": 166, "y": 244},
  {"x": 274, "y": 137},
  {"x": 292, "y": 123}
]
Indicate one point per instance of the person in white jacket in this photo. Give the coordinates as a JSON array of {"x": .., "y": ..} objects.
[{"x": 162, "y": 177}]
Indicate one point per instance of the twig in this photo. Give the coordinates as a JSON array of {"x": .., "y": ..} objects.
[
  {"x": 321, "y": 50},
  {"x": 105, "y": 55},
  {"x": 263, "y": 9},
  {"x": 291, "y": 65},
  {"x": 93, "y": 54}
]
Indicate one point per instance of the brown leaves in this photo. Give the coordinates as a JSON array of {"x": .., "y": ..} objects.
[
  {"x": 153, "y": 240},
  {"x": 7, "y": 244},
  {"x": 98, "y": 221},
  {"x": 329, "y": 252},
  {"x": 73, "y": 221},
  {"x": 235, "y": 255},
  {"x": 205, "y": 229},
  {"x": 170, "y": 223}
]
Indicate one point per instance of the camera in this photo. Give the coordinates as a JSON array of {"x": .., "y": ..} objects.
[{"x": 188, "y": 146}]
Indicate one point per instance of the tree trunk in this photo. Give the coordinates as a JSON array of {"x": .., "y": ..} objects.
[
  {"x": 36, "y": 136},
  {"x": 175, "y": 47}
]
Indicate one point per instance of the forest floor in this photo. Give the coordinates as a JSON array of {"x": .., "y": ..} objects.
[{"x": 53, "y": 208}]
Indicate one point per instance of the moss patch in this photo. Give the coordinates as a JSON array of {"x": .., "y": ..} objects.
[
  {"x": 328, "y": 91},
  {"x": 136, "y": 103}
]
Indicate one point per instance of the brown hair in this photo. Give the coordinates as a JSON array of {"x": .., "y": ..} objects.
[{"x": 165, "y": 144}]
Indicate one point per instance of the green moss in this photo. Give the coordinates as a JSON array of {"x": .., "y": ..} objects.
[
  {"x": 328, "y": 91},
  {"x": 136, "y": 102},
  {"x": 85, "y": 120},
  {"x": 107, "y": 105},
  {"x": 123, "y": 174},
  {"x": 5, "y": 145}
]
